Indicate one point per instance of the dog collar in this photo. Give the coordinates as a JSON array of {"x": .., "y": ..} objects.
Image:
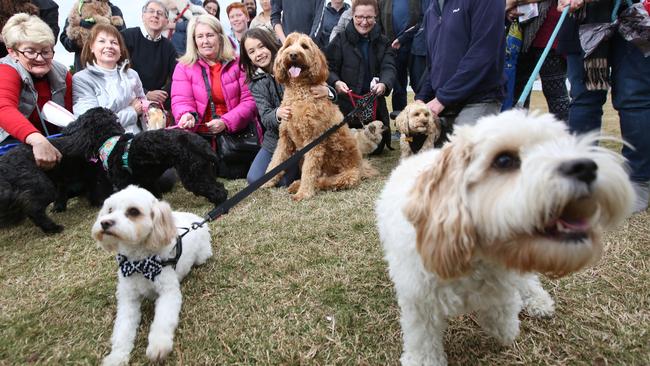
[
  {"x": 106, "y": 149},
  {"x": 151, "y": 266}
]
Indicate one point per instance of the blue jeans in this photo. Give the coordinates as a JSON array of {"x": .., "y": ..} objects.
[
  {"x": 630, "y": 81},
  {"x": 261, "y": 162}
]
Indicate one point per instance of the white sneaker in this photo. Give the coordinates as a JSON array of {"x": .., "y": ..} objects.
[{"x": 642, "y": 190}]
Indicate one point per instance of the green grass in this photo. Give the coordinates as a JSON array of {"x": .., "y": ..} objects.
[{"x": 300, "y": 283}]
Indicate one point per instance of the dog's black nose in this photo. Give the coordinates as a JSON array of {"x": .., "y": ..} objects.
[
  {"x": 293, "y": 56},
  {"x": 106, "y": 224},
  {"x": 583, "y": 170}
]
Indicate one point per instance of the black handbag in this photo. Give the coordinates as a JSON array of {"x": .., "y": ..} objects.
[{"x": 234, "y": 148}]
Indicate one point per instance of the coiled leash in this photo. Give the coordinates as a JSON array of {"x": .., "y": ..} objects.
[
  {"x": 540, "y": 62},
  {"x": 225, "y": 207}
]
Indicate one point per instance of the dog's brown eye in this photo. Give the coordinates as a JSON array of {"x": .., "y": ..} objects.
[
  {"x": 110, "y": 210},
  {"x": 506, "y": 161},
  {"x": 132, "y": 212},
  {"x": 304, "y": 46}
]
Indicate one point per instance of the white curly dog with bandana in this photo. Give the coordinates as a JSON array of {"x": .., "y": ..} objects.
[
  {"x": 144, "y": 231},
  {"x": 465, "y": 228}
]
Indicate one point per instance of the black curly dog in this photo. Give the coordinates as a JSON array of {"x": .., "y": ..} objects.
[{"x": 26, "y": 190}]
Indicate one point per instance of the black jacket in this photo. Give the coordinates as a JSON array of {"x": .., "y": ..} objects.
[
  {"x": 346, "y": 64},
  {"x": 268, "y": 97},
  {"x": 71, "y": 46}
]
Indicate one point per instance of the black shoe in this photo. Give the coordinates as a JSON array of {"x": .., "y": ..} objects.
[{"x": 394, "y": 114}]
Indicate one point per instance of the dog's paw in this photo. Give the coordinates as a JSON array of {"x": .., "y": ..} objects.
[
  {"x": 294, "y": 187},
  {"x": 52, "y": 228},
  {"x": 115, "y": 359},
  {"x": 301, "y": 196},
  {"x": 159, "y": 348},
  {"x": 541, "y": 306},
  {"x": 426, "y": 359}
]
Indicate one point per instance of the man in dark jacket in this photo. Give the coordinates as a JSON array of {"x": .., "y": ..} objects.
[
  {"x": 49, "y": 12},
  {"x": 361, "y": 60},
  {"x": 466, "y": 53},
  {"x": 71, "y": 46},
  {"x": 302, "y": 16}
]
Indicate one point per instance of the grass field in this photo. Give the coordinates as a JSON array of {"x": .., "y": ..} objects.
[{"x": 302, "y": 283}]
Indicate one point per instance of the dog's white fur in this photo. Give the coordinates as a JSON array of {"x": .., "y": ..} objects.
[
  {"x": 460, "y": 233},
  {"x": 416, "y": 119},
  {"x": 153, "y": 230},
  {"x": 368, "y": 137},
  {"x": 176, "y": 6}
]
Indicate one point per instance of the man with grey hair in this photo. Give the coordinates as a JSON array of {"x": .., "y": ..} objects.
[{"x": 152, "y": 55}]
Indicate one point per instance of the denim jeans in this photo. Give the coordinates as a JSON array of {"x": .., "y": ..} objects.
[
  {"x": 261, "y": 162},
  {"x": 630, "y": 81}
]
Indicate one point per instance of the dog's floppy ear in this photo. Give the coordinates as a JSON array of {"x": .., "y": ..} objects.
[
  {"x": 371, "y": 128},
  {"x": 402, "y": 120},
  {"x": 164, "y": 230},
  {"x": 437, "y": 209},
  {"x": 319, "y": 70}
]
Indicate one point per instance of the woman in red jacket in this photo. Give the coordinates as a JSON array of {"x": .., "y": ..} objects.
[{"x": 30, "y": 78}]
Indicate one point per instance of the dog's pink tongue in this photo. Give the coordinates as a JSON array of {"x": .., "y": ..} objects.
[{"x": 294, "y": 71}]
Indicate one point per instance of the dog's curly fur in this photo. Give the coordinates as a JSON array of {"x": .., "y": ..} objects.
[
  {"x": 135, "y": 224},
  {"x": 336, "y": 163},
  {"x": 99, "y": 10},
  {"x": 419, "y": 129},
  {"x": 369, "y": 137},
  {"x": 10, "y": 7},
  {"x": 150, "y": 154},
  {"x": 174, "y": 7},
  {"x": 26, "y": 190},
  {"x": 465, "y": 228}
]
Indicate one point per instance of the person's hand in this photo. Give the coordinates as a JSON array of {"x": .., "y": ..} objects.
[
  {"x": 319, "y": 91},
  {"x": 45, "y": 155},
  {"x": 215, "y": 126},
  {"x": 87, "y": 23},
  {"x": 572, "y": 4},
  {"x": 186, "y": 121},
  {"x": 379, "y": 89},
  {"x": 137, "y": 105},
  {"x": 159, "y": 96},
  {"x": 283, "y": 113},
  {"x": 435, "y": 106},
  {"x": 341, "y": 87},
  {"x": 513, "y": 14},
  {"x": 396, "y": 45}
]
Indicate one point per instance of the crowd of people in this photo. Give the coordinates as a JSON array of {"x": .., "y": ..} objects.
[{"x": 450, "y": 52}]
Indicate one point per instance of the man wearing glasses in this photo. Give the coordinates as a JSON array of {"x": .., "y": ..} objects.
[{"x": 152, "y": 55}]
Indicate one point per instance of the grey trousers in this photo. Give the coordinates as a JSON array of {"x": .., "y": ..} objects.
[{"x": 472, "y": 112}]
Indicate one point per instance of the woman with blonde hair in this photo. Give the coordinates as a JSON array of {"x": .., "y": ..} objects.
[
  {"x": 30, "y": 77},
  {"x": 210, "y": 60}
]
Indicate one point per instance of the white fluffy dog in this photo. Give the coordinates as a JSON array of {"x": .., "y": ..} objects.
[
  {"x": 144, "y": 233},
  {"x": 175, "y": 7},
  {"x": 465, "y": 228}
]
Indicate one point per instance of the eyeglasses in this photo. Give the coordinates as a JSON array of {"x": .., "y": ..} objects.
[
  {"x": 159, "y": 13},
  {"x": 360, "y": 18},
  {"x": 33, "y": 55}
]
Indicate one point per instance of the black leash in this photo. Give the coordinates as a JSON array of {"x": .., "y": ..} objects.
[{"x": 223, "y": 208}]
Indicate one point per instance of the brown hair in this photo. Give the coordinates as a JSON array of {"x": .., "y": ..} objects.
[
  {"x": 87, "y": 55},
  {"x": 269, "y": 41},
  {"x": 372, "y": 3},
  {"x": 218, "y": 6}
]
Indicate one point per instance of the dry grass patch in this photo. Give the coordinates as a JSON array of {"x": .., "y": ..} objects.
[{"x": 300, "y": 283}]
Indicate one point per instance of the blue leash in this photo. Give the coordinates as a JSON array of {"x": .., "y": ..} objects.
[
  {"x": 5, "y": 148},
  {"x": 533, "y": 76}
]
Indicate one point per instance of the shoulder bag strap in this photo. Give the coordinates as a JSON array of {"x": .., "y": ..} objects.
[{"x": 209, "y": 90}]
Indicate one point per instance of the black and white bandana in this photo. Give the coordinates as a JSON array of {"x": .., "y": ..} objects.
[{"x": 150, "y": 267}]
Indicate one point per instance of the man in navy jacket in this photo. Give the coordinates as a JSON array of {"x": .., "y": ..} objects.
[{"x": 465, "y": 53}]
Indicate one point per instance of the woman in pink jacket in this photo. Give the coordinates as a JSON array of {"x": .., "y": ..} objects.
[{"x": 210, "y": 53}]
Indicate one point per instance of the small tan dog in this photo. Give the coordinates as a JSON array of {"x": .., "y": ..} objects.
[
  {"x": 368, "y": 137},
  {"x": 418, "y": 127},
  {"x": 90, "y": 11}
]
